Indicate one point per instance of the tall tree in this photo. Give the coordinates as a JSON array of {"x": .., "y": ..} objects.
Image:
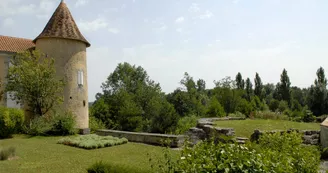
[
  {"x": 283, "y": 91},
  {"x": 317, "y": 98},
  {"x": 201, "y": 85},
  {"x": 33, "y": 82},
  {"x": 258, "y": 86},
  {"x": 240, "y": 83},
  {"x": 249, "y": 89}
]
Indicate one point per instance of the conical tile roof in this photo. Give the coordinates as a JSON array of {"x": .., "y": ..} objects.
[{"x": 62, "y": 25}]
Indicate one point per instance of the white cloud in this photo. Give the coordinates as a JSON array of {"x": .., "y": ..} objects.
[
  {"x": 8, "y": 22},
  {"x": 81, "y": 3},
  {"x": 94, "y": 25},
  {"x": 194, "y": 8},
  {"x": 179, "y": 30},
  {"x": 208, "y": 14},
  {"x": 179, "y": 19},
  {"x": 114, "y": 30}
]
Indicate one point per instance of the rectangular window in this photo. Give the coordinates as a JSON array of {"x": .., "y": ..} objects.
[{"x": 80, "y": 78}]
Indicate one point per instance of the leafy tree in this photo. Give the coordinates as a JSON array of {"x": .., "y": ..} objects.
[
  {"x": 299, "y": 95},
  {"x": 268, "y": 91},
  {"x": 215, "y": 109},
  {"x": 283, "y": 91},
  {"x": 135, "y": 102},
  {"x": 33, "y": 82},
  {"x": 258, "y": 86},
  {"x": 201, "y": 85},
  {"x": 318, "y": 94},
  {"x": 249, "y": 89},
  {"x": 240, "y": 82}
]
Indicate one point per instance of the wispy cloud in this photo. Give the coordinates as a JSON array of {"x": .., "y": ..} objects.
[
  {"x": 79, "y": 3},
  {"x": 208, "y": 14},
  {"x": 114, "y": 30},
  {"x": 179, "y": 19},
  {"x": 93, "y": 25},
  {"x": 194, "y": 8}
]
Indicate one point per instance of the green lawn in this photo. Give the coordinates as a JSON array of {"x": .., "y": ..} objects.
[
  {"x": 43, "y": 154},
  {"x": 245, "y": 128}
]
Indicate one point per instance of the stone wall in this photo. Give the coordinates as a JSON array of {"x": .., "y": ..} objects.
[
  {"x": 147, "y": 138},
  {"x": 205, "y": 130},
  {"x": 310, "y": 137}
]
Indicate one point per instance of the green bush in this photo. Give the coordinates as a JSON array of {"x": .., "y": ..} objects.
[
  {"x": 270, "y": 115},
  {"x": 238, "y": 115},
  {"x": 92, "y": 141},
  {"x": 11, "y": 121},
  {"x": 6, "y": 153},
  {"x": 185, "y": 123},
  {"x": 95, "y": 124},
  {"x": 274, "y": 153},
  {"x": 56, "y": 123},
  {"x": 215, "y": 109},
  {"x": 101, "y": 167}
]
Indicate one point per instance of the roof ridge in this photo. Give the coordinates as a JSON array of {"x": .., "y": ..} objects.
[{"x": 16, "y": 37}]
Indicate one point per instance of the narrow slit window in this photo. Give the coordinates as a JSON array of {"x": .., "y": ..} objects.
[{"x": 80, "y": 78}]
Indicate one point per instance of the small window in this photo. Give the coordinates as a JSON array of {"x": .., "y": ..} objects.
[{"x": 80, "y": 78}]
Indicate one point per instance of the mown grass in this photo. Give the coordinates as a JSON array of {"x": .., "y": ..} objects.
[
  {"x": 43, "y": 154},
  {"x": 245, "y": 128}
]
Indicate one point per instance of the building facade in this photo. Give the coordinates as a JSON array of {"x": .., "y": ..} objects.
[{"x": 61, "y": 40}]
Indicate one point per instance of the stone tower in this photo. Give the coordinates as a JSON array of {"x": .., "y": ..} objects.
[{"x": 62, "y": 40}]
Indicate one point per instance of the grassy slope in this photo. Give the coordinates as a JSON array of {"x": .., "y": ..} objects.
[
  {"x": 42, "y": 154},
  {"x": 246, "y": 127}
]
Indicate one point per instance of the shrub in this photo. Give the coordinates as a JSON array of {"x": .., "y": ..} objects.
[
  {"x": 275, "y": 153},
  {"x": 62, "y": 124},
  {"x": 283, "y": 105},
  {"x": 274, "y": 104},
  {"x": 5, "y": 154},
  {"x": 56, "y": 123},
  {"x": 101, "y": 167},
  {"x": 237, "y": 114},
  {"x": 215, "y": 109},
  {"x": 270, "y": 115},
  {"x": 185, "y": 123},
  {"x": 92, "y": 141},
  {"x": 245, "y": 107},
  {"x": 95, "y": 124},
  {"x": 11, "y": 121}
]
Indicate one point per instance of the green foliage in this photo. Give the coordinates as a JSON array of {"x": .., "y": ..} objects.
[
  {"x": 245, "y": 107},
  {"x": 274, "y": 105},
  {"x": 283, "y": 91},
  {"x": 274, "y": 153},
  {"x": 270, "y": 115},
  {"x": 131, "y": 101},
  {"x": 1, "y": 91},
  {"x": 101, "y": 167},
  {"x": 249, "y": 89},
  {"x": 185, "y": 123},
  {"x": 237, "y": 114},
  {"x": 258, "y": 86},
  {"x": 240, "y": 83},
  {"x": 11, "y": 121},
  {"x": 283, "y": 105},
  {"x": 215, "y": 109},
  {"x": 56, "y": 123},
  {"x": 6, "y": 153},
  {"x": 92, "y": 141},
  {"x": 95, "y": 124},
  {"x": 317, "y": 98},
  {"x": 33, "y": 82},
  {"x": 257, "y": 104}
]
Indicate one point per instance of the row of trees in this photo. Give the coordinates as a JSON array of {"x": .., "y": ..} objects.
[{"x": 132, "y": 101}]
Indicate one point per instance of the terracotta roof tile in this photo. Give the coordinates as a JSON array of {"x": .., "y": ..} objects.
[
  {"x": 62, "y": 25},
  {"x": 14, "y": 44}
]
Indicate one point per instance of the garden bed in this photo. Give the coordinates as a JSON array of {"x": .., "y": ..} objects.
[{"x": 92, "y": 141}]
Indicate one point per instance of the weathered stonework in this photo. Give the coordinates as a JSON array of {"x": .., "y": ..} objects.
[{"x": 70, "y": 56}]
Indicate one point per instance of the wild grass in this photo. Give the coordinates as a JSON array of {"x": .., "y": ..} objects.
[
  {"x": 7, "y": 153},
  {"x": 92, "y": 141}
]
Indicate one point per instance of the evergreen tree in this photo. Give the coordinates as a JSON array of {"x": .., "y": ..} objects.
[
  {"x": 318, "y": 94},
  {"x": 249, "y": 89},
  {"x": 283, "y": 91},
  {"x": 240, "y": 82},
  {"x": 258, "y": 86}
]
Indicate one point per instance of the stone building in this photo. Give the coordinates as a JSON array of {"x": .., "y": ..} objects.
[{"x": 61, "y": 40}]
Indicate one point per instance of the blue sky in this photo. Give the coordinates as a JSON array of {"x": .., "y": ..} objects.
[{"x": 209, "y": 39}]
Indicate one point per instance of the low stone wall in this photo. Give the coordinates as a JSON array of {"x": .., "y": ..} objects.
[
  {"x": 310, "y": 137},
  {"x": 206, "y": 130},
  {"x": 147, "y": 138}
]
